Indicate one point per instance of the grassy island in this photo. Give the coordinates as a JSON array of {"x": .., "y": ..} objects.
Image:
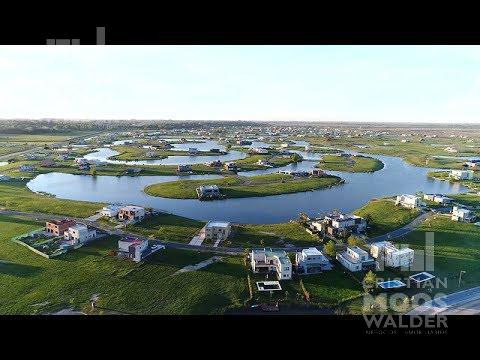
[
  {"x": 134, "y": 153},
  {"x": 240, "y": 186},
  {"x": 353, "y": 163}
]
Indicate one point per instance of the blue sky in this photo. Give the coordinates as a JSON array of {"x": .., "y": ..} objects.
[{"x": 312, "y": 83}]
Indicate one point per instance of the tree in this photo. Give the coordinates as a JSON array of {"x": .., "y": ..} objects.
[
  {"x": 354, "y": 240},
  {"x": 93, "y": 172},
  {"x": 370, "y": 281},
  {"x": 296, "y": 158},
  {"x": 330, "y": 248}
]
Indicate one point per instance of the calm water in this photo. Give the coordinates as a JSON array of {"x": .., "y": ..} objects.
[{"x": 396, "y": 177}]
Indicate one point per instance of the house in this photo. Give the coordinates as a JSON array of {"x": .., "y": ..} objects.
[
  {"x": 450, "y": 150},
  {"x": 131, "y": 213},
  {"x": 58, "y": 227},
  {"x": 47, "y": 163},
  {"x": 462, "y": 174},
  {"x": 81, "y": 161},
  {"x": 215, "y": 150},
  {"x": 356, "y": 259},
  {"x": 193, "y": 151},
  {"x": 472, "y": 164},
  {"x": 409, "y": 201},
  {"x": 263, "y": 162},
  {"x": 134, "y": 170},
  {"x": 339, "y": 225},
  {"x": 217, "y": 230},
  {"x": 27, "y": 168},
  {"x": 268, "y": 260},
  {"x": 311, "y": 261},
  {"x": 259, "y": 150},
  {"x": 184, "y": 168},
  {"x": 150, "y": 154},
  {"x": 84, "y": 167},
  {"x": 79, "y": 234},
  {"x": 462, "y": 214},
  {"x": 132, "y": 248},
  {"x": 216, "y": 163},
  {"x": 110, "y": 211},
  {"x": 438, "y": 198},
  {"x": 317, "y": 172},
  {"x": 208, "y": 192},
  {"x": 244, "y": 142},
  {"x": 230, "y": 166},
  {"x": 388, "y": 254}
]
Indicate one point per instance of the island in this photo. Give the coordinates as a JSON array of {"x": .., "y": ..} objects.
[
  {"x": 350, "y": 163},
  {"x": 243, "y": 186}
]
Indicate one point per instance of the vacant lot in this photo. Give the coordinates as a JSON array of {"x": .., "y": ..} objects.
[
  {"x": 350, "y": 163},
  {"x": 32, "y": 284},
  {"x": 383, "y": 216},
  {"x": 240, "y": 187}
]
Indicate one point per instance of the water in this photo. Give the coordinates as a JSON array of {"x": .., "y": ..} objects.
[{"x": 397, "y": 177}]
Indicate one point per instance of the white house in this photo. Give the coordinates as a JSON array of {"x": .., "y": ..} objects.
[
  {"x": 132, "y": 247},
  {"x": 311, "y": 261},
  {"x": 388, "y": 254},
  {"x": 268, "y": 260},
  {"x": 193, "y": 151},
  {"x": 79, "y": 234},
  {"x": 131, "y": 213},
  {"x": 450, "y": 149},
  {"x": 110, "y": 211},
  {"x": 462, "y": 214},
  {"x": 462, "y": 174},
  {"x": 356, "y": 259},
  {"x": 259, "y": 150},
  {"x": 409, "y": 201},
  {"x": 438, "y": 198},
  {"x": 217, "y": 230}
]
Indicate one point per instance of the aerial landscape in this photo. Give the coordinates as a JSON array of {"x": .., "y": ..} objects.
[{"x": 232, "y": 215}]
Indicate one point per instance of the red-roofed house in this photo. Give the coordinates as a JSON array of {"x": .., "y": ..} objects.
[{"x": 58, "y": 227}]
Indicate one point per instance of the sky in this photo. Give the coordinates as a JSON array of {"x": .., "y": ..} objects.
[{"x": 287, "y": 83}]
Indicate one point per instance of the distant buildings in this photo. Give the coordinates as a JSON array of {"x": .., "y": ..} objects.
[
  {"x": 216, "y": 163},
  {"x": 339, "y": 225},
  {"x": 388, "y": 254},
  {"x": 193, "y": 151},
  {"x": 450, "y": 150},
  {"x": 268, "y": 260},
  {"x": 230, "y": 166},
  {"x": 356, "y": 259},
  {"x": 131, "y": 213},
  {"x": 462, "y": 214},
  {"x": 317, "y": 172},
  {"x": 110, "y": 211},
  {"x": 462, "y": 174},
  {"x": 184, "y": 168},
  {"x": 311, "y": 261},
  {"x": 47, "y": 163},
  {"x": 208, "y": 192},
  {"x": 27, "y": 168},
  {"x": 217, "y": 230},
  {"x": 259, "y": 150},
  {"x": 472, "y": 164},
  {"x": 409, "y": 201}
]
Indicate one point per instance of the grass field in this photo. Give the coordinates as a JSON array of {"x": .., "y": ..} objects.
[
  {"x": 240, "y": 187},
  {"x": 350, "y": 164},
  {"x": 14, "y": 195},
  {"x": 168, "y": 227},
  {"x": 383, "y": 216},
  {"x": 250, "y": 162},
  {"x": 457, "y": 247},
  {"x": 32, "y": 284},
  {"x": 250, "y": 235}
]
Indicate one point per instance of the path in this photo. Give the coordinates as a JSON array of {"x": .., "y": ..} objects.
[
  {"x": 465, "y": 302},
  {"x": 199, "y": 266}
]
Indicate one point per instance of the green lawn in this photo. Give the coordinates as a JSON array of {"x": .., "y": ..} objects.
[
  {"x": 240, "y": 187},
  {"x": 32, "y": 284},
  {"x": 14, "y": 195},
  {"x": 383, "y": 216},
  {"x": 168, "y": 227},
  {"x": 250, "y": 235},
  {"x": 457, "y": 247},
  {"x": 350, "y": 164},
  {"x": 250, "y": 162}
]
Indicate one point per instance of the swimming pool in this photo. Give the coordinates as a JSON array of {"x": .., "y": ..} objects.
[{"x": 391, "y": 284}]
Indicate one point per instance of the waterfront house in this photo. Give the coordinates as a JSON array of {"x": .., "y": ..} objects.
[
  {"x": 79, "y": 233},
  {"x": 311, "y": 261},
  {"x": 27, "y": 168},
  {"x": 356, "y": 259},
  {"x": 150, "y": 154},
  {"x": 208, "y": 192},
  {"x": 472, "y": 164},
  {"x": 388, "y": 254},
  {"x": 217, "y": 230},
  {"x": 409, "y": 201},
  {"x": 317, "y": 172},
  {"x": 462, "y": 174},
  {"x": 438, "y": 198},
  {"x": 258, "y": 150},
  {"x": 134, "y": 170},
  {"x": 58, "y": 227},
  {"x": 268, "y": 260},
  {"x": 263, "y": 162},
  {"x": 110, "y": 211},
  {"x": 47, "y": 163},
  {"x": 339, "y": 225},
  {"x": 244, "y": 142},
  {"x": 184, "y": 168},
  {"x": 215, "y": 150},
  {"x": 84, "y": 167},
  {"x": 230, "y": 166},
  {"x": 81, "y": 161},
  {"x": 216, "y": 163},
  {"x": 193, "y": 151},
  {"x": 462, "y": 214},
  {"x": 132, "y": 248},
  {"x": 131, "y": 213}
]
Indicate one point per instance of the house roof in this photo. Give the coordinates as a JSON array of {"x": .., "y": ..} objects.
[
  {"x": 223, "y": 224},
  {"x": 312, "y": 252}
]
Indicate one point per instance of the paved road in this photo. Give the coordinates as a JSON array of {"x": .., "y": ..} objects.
[
  {"x": 403, "y": 230},
  {"x": 465, "y": 302}
]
